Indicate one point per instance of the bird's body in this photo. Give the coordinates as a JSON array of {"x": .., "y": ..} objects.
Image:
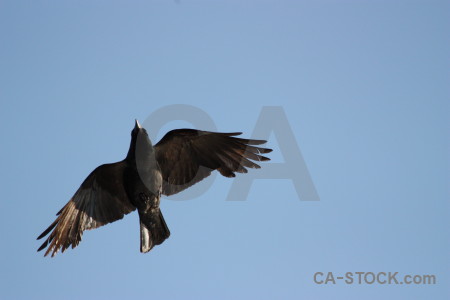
[
  {"x": 182, "y": 158},
  {"x": 143, "y": 185}
]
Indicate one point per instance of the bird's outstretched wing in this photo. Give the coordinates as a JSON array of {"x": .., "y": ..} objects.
[
  {"x": 187, "y": 156},
  {"x": 101, "y": 199}
]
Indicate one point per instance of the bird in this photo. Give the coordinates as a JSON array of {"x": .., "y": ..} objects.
[{"x": 180, "y": 159}]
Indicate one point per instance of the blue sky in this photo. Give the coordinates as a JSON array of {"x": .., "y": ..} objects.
[{"x": 364, "y": 85}]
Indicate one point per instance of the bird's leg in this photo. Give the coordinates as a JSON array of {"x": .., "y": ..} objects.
[{"x": 148, "y": 203}]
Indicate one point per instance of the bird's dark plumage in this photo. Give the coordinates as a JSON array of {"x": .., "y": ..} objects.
[
  {"x": 187, "y": 156},
  {"x": 182, "y": 158}
]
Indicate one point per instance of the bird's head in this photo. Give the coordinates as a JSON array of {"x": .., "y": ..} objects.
[
  {"x": 140, "y": 145},
  {"x": 137, "y": 128}
]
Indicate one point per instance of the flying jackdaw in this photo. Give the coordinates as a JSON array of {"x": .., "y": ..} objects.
[{"x": 180, "y": 159}]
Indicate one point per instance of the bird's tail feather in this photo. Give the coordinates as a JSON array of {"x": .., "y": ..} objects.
[{"x": 154, "y": 230}]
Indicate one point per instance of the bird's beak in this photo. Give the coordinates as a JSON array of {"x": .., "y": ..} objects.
[{"x": 137, "y": 125}]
